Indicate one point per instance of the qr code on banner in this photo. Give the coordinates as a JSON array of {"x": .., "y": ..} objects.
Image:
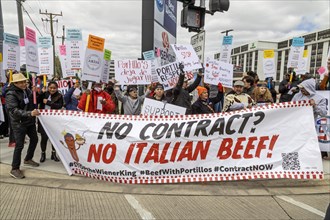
[{"x": 290, "y": 161}]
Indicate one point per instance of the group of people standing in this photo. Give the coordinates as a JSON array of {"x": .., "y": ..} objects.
[{"x": 248, "y": 92}]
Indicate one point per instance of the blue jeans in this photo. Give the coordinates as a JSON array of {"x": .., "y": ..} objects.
[{"x": 19, "y": 134}]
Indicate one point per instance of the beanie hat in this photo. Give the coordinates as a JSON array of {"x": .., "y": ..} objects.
[
  {"x": 130, "y": 88},
  {"x": 200, "y": 90}
]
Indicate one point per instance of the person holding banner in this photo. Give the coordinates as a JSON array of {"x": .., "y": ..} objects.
[
  {"x": 100, "y": 101},
  {"x": 131, "y": 102},
  {"x": 204, "y": 104},
  {"x": 181, "y": 92},
  {"x": 288, "y": 86},
  {"x": 236, "y": 99},
  {"x": 262, "y": 95},
  {"x": 71, "y": 98},
  {"x": 22, "y": 115},
  {"x": 50, "y": 99}
]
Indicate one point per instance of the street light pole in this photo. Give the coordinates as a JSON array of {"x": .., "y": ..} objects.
[{"x": 227, "y": 31}]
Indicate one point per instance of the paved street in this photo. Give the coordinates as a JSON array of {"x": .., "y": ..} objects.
[{"x": 48, "y": 192}]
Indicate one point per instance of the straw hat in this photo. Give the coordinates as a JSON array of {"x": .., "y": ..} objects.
[{"x": 18, "y": 77}]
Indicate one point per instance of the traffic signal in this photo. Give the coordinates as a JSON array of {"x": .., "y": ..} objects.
[
  {"x": 218, "y": 5},
  {"x": 187, "y": 2},
  {"x": 193, "y": 17}
]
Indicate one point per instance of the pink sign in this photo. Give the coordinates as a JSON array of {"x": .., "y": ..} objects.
[
  {"x": 321, "y": 70},
  {"x": 30, "y": 35},
  {"x": 62, "y": 50},
  {"x": 22, "y": 42}
]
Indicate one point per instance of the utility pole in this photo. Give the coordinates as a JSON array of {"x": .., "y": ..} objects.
[
  {"x": 20, "y": 18},
  {"x": 63, "y": 35},
  {"x": 51, "y": 17},
  {"x": 227, "y": 31}
]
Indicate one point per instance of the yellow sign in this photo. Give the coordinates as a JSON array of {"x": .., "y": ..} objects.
[
  {"x": 305, "y": 53},
  {"x": 95, "y": 43},
  {"x": 269, "y": 54}
]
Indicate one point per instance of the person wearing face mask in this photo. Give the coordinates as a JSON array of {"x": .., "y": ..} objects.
[
  {"x": 99, "y": 102},
  {"x": 49, "y": 98}
]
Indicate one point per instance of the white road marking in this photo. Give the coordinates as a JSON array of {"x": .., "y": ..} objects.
[
  {"x": 136, "y": 205},
  {"x": 302, "y": 205}
]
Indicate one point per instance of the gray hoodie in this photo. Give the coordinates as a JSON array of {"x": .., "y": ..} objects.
[{"x": 320, "y": 109}]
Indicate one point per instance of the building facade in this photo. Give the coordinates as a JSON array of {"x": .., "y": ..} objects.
[{"x": 250, "y": 56}]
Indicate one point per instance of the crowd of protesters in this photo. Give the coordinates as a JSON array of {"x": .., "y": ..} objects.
[{"x": 20, "y": 111}]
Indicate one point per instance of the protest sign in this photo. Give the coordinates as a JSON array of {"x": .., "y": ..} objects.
[
  {"x": 32, "y": 59},
  {"x": 63, "y": 86},
  {"x": 66, "y": 72},
  {"x": 302, "y": 68},
  {"x": 198, "y": 43},
  {"x": 106, "y": 66},
  {"x": 46, "y": 61},
  {"x": 150, "y": 55},
  {"x": 11, "y": 52},
  {"x": 269, "y": 64},
  {"x": 323, "y": 124},
  {"x": 93, "y": 63},
  {"x": 74, "y": 47},
  {"x": 212, "y": 71},
  {"x": 168, "y": 75},
  {"x": 133, "y": 72},
  {"x": 187, "y": 55},
  {"x": 226, "y": 47},
  {"x": 296, "y": 52},
  {"x": 154, "y": 107},
  {"x": 188, "y": 148},
  {"x": 22, "y": 51}
]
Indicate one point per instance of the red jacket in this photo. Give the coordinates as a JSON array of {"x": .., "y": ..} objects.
[{"x": 108, "y": 107}]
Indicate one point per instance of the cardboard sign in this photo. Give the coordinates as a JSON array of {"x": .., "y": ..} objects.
[
  {"x": 137, "y": 72},
  {"x": 187, "y": 55},
  {"x": 168, "y": 75},
  {"x": 154, "y": 107},
  {"x": 211, "y": 71}
]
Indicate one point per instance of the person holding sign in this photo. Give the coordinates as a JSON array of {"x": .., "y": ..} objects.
[
  {"x": 288, "y": 86},
  {"x": 236, "y": 99},
  {"x": 204, "y": 104},
  {"x": 132, "y": 103},
  {"x": 100, "y": 101},
  {"x": 50, "y": 99},
  {"x": 22, "y": 115},
  {"x": 181, "y": 92},
  {"x": 159, "y": 93}
]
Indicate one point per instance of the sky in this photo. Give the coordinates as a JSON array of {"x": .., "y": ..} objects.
[{"x": 120, "y": 21}]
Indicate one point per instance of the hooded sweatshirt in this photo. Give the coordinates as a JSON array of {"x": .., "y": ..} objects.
[{"x": 320, "y": 108}]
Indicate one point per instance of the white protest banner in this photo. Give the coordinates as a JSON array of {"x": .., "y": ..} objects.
[
  {"x": 32, "y": 60},
  {"x": 323, "y": 124},
  {"x": 303, "y": 64},
  {"x": 150, "y": 55},
  {"x": 168, "y": 75},
  {"x": 225, "y": 52},
  {"x": 46, "y": 61},
  {"x": 270, "y": 142},
  {"x": 212, "y": 71},
  {"x": 74, "y": 47},
  {"x": 106, "y": 66},
  {"x": 187, "y": 55},
  {"x": 296, "y": 52},
  {"x": 11, "y": 52},
  {"x": 22, "y": 51},
  {"x": 198, "y": 43},
  {"x": 269, "y": 64},
  {"x": 137, "y": 72},
  {"x": 2, "y": 72},
  {"x": 154, "y": 107},
  {"x": 66, "y": 72},
  {"x": 226, "y": 76},
  {"x": 93, "y": 63}
]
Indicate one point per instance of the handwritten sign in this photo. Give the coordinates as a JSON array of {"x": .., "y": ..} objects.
[
  {"x": 168, "y": 75},
  {"x": 133, "y": 72},
  {"x": 212, "y": 71},
  {"x": 154, "y": 107},
  {"x": 187, "y": 55}
]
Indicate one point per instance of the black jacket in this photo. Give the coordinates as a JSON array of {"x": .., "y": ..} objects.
[
  {"x": 56, "y": 101},
  {"x": 285, "y": 97},
  {"x": 19, "y": 111},
  {"x": 181, "y": 97},
  {"x": 206, "y": 107}
]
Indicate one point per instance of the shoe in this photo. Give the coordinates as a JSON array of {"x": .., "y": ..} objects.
[
  {"x": 17, "y": 174},
  {"x": 43, "y": 157},
  {"x": 12, "y": 144},
  {"x": 31, "y": 163},
  {"x": 54, "y": 156},
  {"x": 1, "y": 136}
]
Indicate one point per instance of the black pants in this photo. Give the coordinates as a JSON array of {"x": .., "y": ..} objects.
[
  {"x": 19, "y": 134},
  {"x": 44, "y": 139}
]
